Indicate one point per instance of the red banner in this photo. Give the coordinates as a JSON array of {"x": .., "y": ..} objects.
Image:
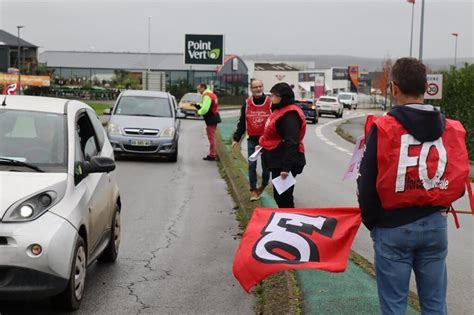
[{"x": 283, "y": 239}]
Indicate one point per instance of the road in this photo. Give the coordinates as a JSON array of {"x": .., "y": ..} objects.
[
  {"x": 178, "y": 241},
  {"x": 321, "y": 185}
]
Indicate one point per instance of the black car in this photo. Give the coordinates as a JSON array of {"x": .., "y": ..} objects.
[{"x": 310, "y": 110}]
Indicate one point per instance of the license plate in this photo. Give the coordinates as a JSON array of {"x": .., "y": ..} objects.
[{"x": 141, "y": 143}]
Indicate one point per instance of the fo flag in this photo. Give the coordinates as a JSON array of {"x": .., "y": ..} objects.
[
  {"x": 282, "y": 239},
  {"x": 10, "y": 89}
]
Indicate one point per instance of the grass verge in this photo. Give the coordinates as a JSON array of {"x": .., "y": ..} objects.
[
  {"x": 99, "y": 107},
  {"x": 279, "y": 293},
  {"x": 344, "y": 134}
]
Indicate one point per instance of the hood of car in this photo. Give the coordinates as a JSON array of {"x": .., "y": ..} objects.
[
  {"x": 159, "y": 123},
  {"x": 15, "y": 186}
]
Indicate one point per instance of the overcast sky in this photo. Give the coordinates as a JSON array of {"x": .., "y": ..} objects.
[{"x": 370, "y": 28}]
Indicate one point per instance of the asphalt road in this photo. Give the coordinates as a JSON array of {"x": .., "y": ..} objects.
[
  {"x": 178, "y": 241},
  {"x": 321, "y": 185}
]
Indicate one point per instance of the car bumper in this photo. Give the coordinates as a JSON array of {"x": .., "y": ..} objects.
[
  {"x": 310, "y": 114},
  {"x": 36, "y": 276},
  {"x": 158, "y": 145}
]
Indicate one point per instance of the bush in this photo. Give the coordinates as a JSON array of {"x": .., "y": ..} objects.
[{"x": 458, "y": 100}]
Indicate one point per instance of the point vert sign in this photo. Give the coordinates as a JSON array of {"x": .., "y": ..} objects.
[{"x": 204, "y": 49}]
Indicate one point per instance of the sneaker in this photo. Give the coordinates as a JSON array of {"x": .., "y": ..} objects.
[
  {"x": 254, "y": 196},
  {"x": 260, "y": 190},
  {"x": 209, "y": 158}
]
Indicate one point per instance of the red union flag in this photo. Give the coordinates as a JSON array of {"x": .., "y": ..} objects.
[
  {"x": 10, "y": 89},
  {"x": 283, "y": 239}
]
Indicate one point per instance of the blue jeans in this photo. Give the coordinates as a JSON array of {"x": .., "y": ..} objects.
[
  {"x": 253, "y": 168},
  {"x": 422, "y": 246}
]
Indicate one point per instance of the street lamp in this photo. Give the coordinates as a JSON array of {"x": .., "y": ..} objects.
[
  {"x": 421, "y": 29},
  {"x": 412, "y": 19},
  {"x": 19, "y": 59},
  {"x": 455, "y": 47}
]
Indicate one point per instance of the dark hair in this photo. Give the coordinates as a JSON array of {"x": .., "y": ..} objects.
[
  {"x": 284, "y": 91},
  {"x": 409, "y": 74},
  {"x": 202, "y": 85}
]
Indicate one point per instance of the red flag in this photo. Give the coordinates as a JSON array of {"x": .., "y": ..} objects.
[
  {"x": 283, "y": 239},
  {"x": 411, "y": 1},
  {"x": 10, "y": 89}
]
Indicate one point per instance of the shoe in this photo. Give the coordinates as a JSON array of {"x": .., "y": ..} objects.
[
  {"x": 254, "y": 196},
  {"x": 209, "y": 158},
  {"x": 260, "y": 190}
]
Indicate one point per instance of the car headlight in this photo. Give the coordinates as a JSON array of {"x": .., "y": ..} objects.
[
  {"x": 31, "y": 208},
  {"x": 114, "y": 129},
  {"x": 168, "y": 132},
  {"x": 313, "y": 107}
]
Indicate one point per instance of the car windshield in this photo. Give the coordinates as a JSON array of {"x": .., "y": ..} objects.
[
  {"x": 345, "y": 97},
  {"x": 327, "y": 99},
  {"x": 192, "y": 97},
  {"x": 37, "y": 139},
  {"x": 143, "y": 106}
]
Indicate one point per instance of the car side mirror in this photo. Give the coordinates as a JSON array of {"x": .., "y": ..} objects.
[
  {"x": 98, "y": 164},
  {"x": 107, "y": 111},
  {"x": 180, "y": 114}
]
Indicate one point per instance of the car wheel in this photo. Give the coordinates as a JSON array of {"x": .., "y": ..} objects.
[
  {"x": 342, "y": 113},
  {"x": 110, "y": 253},
  {"x": 70, "y": 299},
  {"x": 174, "y": 157}
]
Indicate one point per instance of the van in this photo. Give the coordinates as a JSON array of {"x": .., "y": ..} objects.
[{"x": 348, "y": 100}]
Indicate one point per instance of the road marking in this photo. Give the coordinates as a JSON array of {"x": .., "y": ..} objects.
[{"x": 319, "y": 131}]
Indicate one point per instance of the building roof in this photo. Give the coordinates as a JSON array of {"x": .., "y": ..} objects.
[
  {"x": 273, "y": 67},
  {"x": 7, "y": 39},
  {"x": 119, "y": 60}
]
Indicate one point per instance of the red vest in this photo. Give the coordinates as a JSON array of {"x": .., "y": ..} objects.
[
  {"x": 214, "y": 103},
  {"x": 271, "y": 139},
  {"x": 256, "y": 116},
  {"x": 415, "y": 174}
]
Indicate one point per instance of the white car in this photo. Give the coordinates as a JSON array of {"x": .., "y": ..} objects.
[
  {"x": 348, "y": 100},
  {"x": 330, "y": 105},
  {"x": 59, "y": 200}
]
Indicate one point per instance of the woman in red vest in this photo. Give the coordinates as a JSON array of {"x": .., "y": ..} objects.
[{"x": 282, "y": 140}]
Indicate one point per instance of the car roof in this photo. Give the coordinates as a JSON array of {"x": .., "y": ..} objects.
[
  {"x": 36, "y": 103},
  {"x": 145, "y": 93}
]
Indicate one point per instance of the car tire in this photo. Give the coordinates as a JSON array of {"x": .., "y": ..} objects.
[
  {"x": 341, "y": 114},
  {"x": 110, "y": 253},
  {"x": 174, "y": 157},
  {"x": 70, "y": 299}
]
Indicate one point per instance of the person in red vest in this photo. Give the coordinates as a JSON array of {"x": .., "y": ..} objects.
[
  {"x": 282, "y": 140},
  {"x": 253, "y": 115},
  {"x": 414, "y": 167},
  {"x": 209, "y": 109}
]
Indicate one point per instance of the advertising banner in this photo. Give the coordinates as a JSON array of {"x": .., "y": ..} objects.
[{"x": 203, "y": 49}]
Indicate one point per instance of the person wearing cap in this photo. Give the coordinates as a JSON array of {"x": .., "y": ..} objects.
[{"x": 282, "y": 140}]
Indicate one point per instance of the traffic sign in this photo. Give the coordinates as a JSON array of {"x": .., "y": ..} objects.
[{"x": 434, "y": 91}]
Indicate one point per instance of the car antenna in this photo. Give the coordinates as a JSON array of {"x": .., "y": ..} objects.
[{"x": 4, "y": 103}]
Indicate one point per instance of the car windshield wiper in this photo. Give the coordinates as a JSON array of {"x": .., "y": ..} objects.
[
  {"x": 149, "y": 115},
  {"x": 19, "y": 163}
]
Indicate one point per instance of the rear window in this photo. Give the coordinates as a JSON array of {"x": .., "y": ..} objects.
[{"x": 327, "y": 99}]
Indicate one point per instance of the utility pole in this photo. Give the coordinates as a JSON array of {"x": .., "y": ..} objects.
[
  {"x": 19, "y": 59},
  {"x": 455, "y": 48},
  {"x": 421, "y": 29},
  {"x": 148, "y": 61},
  {"x": 412, "y": 20}
]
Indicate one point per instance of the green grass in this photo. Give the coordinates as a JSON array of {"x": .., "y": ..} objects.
[{"x": 98, "y": 107}]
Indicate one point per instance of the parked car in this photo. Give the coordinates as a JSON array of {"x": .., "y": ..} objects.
[
  {"x": 348, "y": 100},
  {"x": 310, "y": 110},
  {"x": 145, "y": 123},
  {"x": 185, "y": 104},
  {"x": 60, "y": 203},
  {"x": 330, "y": 105}
]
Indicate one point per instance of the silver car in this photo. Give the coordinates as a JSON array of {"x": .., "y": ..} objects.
[
  {"x": 59, "y": 200},
  {"x": 145, "y": 123}
]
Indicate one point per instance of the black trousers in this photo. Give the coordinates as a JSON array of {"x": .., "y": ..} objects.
[{"x": 285, "y": 200}]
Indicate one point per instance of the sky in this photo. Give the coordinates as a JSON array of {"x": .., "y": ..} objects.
[{"x": 364, "y": 28}]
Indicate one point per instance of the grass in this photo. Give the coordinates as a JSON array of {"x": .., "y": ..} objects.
[
  {"x": 279, "y": 293},
  {"x": 344, "y": 134},
  {"x": 99, "y": 107}
]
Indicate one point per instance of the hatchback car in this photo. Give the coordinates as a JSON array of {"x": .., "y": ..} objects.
[
  {"x": 330, "y": 105},
  {"x": 144, "y": 123},
  {"x": 310, "y": 110},
  {"x": 59, "y": 201},
  {"x": 185, "y": 104}
]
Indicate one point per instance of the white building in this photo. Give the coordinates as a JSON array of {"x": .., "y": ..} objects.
[
  {"x": 273, "y": 73},
  {"x": 335, "y": 79}
]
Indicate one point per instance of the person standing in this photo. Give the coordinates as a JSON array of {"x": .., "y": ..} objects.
[
  {"x": 253, "y": 115},
  {"x": 209, "y": 109},
  {"x": 414, "y": 167},
  {"x": 282, "y": 140}
]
